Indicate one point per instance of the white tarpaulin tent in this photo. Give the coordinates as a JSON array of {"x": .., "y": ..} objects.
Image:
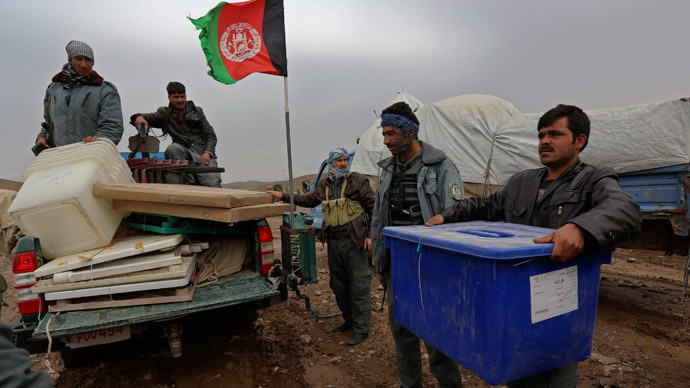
[
  {"x": 640, "y": 137},
  {"x": 473, "y": 131},
  {"x": 489, "y": 140},
  {"x": 370, "y": 148}
]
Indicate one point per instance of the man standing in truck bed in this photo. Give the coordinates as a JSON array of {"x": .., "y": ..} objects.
[
  {"x": 584, "y": 203},
  {"x": 193, "y": 137},
  {"x": 79, "y": 105}
]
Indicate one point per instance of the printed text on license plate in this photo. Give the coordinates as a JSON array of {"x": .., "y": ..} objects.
[{"x": 98, "y": 337}]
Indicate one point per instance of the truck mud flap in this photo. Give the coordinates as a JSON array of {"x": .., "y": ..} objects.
[{"x": 242, "y": 287}]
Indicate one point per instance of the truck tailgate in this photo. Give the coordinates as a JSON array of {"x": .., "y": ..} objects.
[{"x": 245, "y": 286}]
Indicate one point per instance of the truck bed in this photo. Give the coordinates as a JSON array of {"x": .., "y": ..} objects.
[
  {"x": 244, "y": 286},
  {"x": 660, "y": 192},
  {"x": 663, "y": 195}
]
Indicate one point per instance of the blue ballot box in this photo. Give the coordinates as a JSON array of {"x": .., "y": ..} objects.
[{"x": 487, "y": 296}]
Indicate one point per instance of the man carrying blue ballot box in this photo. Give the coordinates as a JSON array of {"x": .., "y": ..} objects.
[{"x": 584, "y": 203}]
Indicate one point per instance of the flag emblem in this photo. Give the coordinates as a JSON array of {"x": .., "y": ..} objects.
[
  {"x": 240, "y": 41},
  {"x": 455, "y": 192}
]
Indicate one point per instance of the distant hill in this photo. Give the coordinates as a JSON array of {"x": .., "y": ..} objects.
[
  {"x": 10, "y": 185},
  {"x": 261, "y": 186},
  {"x": 243, "y": 185}
]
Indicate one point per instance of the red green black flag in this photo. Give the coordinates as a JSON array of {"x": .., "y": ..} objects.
[{"x": 243, "y": 38}]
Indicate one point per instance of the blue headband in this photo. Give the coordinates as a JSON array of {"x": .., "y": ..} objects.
[{"x": 397, "y": 121}]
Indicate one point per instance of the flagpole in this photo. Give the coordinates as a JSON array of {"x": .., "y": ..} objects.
[{"x": 289, "y": 154}]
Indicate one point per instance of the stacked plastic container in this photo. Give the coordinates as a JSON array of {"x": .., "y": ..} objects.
[{"x": 55, "y": 202}]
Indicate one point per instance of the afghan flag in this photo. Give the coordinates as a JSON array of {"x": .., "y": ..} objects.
[{"x": 239, "y": 39}]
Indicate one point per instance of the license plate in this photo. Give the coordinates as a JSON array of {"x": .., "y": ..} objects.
[{"x": 99, "y": 337}]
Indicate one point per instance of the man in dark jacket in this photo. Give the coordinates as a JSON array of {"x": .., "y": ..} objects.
[
  {"x": 417, "y": 182},
  {"x": 193, "y": 137},
  {"x": 15, "y": 365},
  {"x": 79, "y": 105},
  {"x": 584, "y": 203},
  {"x": 348, "y": 202}
]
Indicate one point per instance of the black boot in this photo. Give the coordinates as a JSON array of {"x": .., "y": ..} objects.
[
  {"x": 356, "y": 338},
  {"x": 342, "y": 327}
]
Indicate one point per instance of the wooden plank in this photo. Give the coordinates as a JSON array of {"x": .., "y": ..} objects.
[
  {"x": 188, "y": 249},
  {"x": 117, "y": 249},
  {"x": 181, "y": 194},
  {"x": 244, "y": 213},
  {"x": 122, "y": 288},
  {"x": 122, "y": 266},
  {"x": 164, "y": 273},
  {"x": 139, "y": 298}
]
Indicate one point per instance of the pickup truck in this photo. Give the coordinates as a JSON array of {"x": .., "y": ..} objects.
[
  {"x": 260, "y": 284},
  {"x": 664, "y": 197}
]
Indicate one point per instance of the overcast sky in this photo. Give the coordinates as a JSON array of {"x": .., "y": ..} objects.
[{"x": 345, "y": 60}]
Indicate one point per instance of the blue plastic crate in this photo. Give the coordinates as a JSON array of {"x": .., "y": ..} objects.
[{"x": 488, "y": 297}]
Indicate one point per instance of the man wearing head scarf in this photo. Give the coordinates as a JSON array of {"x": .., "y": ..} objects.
[
  {"x": 193, "y": 137},
  {"x": 79, "y": 104},
  {"x": 348, "y": 202},
  {"x": 416, "y": 182}
]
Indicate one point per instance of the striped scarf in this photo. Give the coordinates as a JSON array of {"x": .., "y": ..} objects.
[
  {"x": 335, "y": 154},
  {"x": 74, "y": 77}
]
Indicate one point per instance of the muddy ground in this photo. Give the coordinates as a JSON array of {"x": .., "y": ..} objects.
[{"x": 639, "y": 340}]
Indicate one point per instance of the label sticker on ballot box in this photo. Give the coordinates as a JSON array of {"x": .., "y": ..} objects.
[{"x": 553, "y": 293}]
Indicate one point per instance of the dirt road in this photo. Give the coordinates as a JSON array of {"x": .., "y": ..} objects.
[{"x": 638, "y": 341}]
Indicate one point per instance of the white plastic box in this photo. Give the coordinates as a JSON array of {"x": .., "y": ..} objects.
[{"x": 55, "y": 202}]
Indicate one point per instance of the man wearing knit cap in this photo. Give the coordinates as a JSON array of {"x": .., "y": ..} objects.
[
  {"x": 79, "y": 105},
  {"x": 416, "y": 182},
  {"x": 348, "y": 202}
]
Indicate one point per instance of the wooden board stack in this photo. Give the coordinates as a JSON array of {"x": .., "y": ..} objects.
[
  {"x": 130, "y": 271},
  {"x": 206, "y": 203},
  {"x": 146, "y": 269}
]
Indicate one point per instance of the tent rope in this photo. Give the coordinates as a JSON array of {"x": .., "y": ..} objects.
[{"x": 485, "y": 190}]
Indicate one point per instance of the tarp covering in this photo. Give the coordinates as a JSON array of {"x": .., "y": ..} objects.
[
  {"x": 473, "y": 131},
  {"x": 640, "y": 137},
  {"x": 489, "y": 140},
  {"x": 8, "y": 228}
]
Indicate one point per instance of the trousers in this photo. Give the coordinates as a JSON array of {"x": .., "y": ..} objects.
[
  {"x": 177, "y": 151},
  {"x": 408, "y": 355},
  {"x": 562, "y": 377},
  {"x": 351, "y": 281}
]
